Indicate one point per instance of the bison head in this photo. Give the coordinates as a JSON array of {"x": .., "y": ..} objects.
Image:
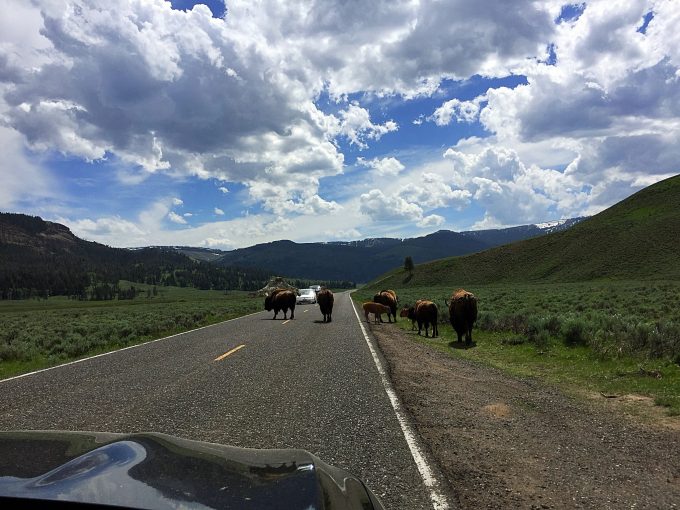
[
  {"x": 268, "y": 303},
  {"x": 411, "y": 313}
]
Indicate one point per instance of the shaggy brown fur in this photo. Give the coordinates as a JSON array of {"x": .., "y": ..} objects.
[
  {"x": 281, "y": 299},
  {"x": 463, "y": 314},
  {"x": 389, "y": 299},
  {"x": 426, "y": 313},
  {"x": 325, "y": 299}
]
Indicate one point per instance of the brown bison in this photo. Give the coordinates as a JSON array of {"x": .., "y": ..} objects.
[
  {"x": 281, "y": 299},
  {"x": 406, "y": 312},
  {"x": 325, "y": 299},
  {"x": 377, "y": 309},
  {"x": 389, "y": 299},
  {"x": 425, "y": 313},
  {"x": 463, "y": 313}
]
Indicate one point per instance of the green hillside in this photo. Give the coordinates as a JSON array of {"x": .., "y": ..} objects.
[{"x": 636, "y": 239}]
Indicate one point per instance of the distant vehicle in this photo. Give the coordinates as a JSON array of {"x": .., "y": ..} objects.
[
  {"x": 306, "y": 296},
  {"x": 91, "y": 470},
  {"x": 315, "y": 288}
]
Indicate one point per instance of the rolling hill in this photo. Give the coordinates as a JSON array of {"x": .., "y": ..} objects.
[
  {"x": 41, "y": 258},
  {"x": 360, "y": 261},
  {"x": 636, "y": 239}
]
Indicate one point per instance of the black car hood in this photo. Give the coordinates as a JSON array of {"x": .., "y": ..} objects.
[{"x": 158, "y": 471}]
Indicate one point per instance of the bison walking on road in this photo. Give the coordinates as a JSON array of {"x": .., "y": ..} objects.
[
  {"x": 463, "y": 314},
  {"x": 377, "y": 309},
  {"x": 389, "y": 299},
  {"x": 425, "y": 313},
  {"x": 281, "y": 299},
  {"x": 325, "y": 299}
]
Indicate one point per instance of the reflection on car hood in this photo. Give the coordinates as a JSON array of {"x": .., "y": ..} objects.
[{"x": 159, "y": 471}]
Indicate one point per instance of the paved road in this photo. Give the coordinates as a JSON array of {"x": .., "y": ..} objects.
[{"x": 300, "y": 384}]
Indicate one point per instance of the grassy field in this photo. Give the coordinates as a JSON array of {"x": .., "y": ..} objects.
[
  {"x": 38, "y": 334},
  {"x": 619, "y": 337}
]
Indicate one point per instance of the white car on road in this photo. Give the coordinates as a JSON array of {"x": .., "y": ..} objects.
[{"x": 306, "y": 296}]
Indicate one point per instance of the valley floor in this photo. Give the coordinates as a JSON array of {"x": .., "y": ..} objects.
[{"x": 507, "y": 442}]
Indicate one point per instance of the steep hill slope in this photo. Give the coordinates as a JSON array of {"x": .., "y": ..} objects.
[{"x": 638, "y": 238}]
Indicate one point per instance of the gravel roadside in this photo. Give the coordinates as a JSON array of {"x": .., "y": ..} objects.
[{"x": 507, "y": 442}]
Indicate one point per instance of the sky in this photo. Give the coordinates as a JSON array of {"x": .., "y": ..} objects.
[{"x": 224, "y": 125}]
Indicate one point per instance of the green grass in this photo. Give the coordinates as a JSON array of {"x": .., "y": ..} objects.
[
  {"x": 38, "y": 334},
  {"x": 609, "y": 337},
  {"x": 575, "y": 369}
]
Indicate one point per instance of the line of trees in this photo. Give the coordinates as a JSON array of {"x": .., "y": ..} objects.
[{"x": 27, "y": 273}]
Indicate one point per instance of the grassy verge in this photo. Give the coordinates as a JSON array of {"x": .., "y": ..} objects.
[
  {"x": 614, "y": 338},
  {"x": 39, "y": 334}
]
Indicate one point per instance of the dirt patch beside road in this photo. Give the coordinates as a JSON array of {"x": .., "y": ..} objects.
[{"x": 507, "y": 442}]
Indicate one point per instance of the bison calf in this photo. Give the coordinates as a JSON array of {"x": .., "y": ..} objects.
[{"x": 376, "y": 309}]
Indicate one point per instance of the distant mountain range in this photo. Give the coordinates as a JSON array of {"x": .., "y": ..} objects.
[
  {"x": 636, "y": 239},
  {"x": 361, "y": 261},
  {"x": 39, "y": 257}
]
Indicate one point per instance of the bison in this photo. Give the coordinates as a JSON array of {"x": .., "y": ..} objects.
[
  {"x": 389, "y": 299},
  {"x": 425, "y": 313},
  {"x": 377, "y": 309},
  {"x": 463, "y": 314},
  {"x": 325, "y": 299},
  {"x": 281, "y": 299},
  {"x": 409, "y": 313}
]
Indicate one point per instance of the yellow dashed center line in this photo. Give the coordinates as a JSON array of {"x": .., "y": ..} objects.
[
  {"x": 305, "y": 311},
  {"x": 220, "y": 358},
  {"x": 286, "y": 322}
]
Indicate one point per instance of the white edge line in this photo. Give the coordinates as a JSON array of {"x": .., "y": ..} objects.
[
  {"x": 121, "y": 349},
  {"x": 439, "y": 501}
]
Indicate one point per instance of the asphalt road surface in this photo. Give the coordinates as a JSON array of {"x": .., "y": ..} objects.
[{"x": 293, "y": 384}]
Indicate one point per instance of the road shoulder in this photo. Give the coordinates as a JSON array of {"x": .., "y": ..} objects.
[{"x": 506, "y": 442}]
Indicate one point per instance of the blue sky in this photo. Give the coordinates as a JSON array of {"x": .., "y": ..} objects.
[{"x": 205, "y": 124}]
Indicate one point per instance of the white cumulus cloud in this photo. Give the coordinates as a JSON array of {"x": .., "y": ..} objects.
[
  {"x": 383, "y": 166},
  {"x": 176, "y": 218}
]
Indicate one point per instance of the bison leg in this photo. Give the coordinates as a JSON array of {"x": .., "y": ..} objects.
[
  {"x": 276, "y": 312},
  {"x": 292, "y": 313}
]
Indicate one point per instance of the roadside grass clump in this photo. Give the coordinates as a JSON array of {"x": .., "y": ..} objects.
[{"x": 575, "y": 332}]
